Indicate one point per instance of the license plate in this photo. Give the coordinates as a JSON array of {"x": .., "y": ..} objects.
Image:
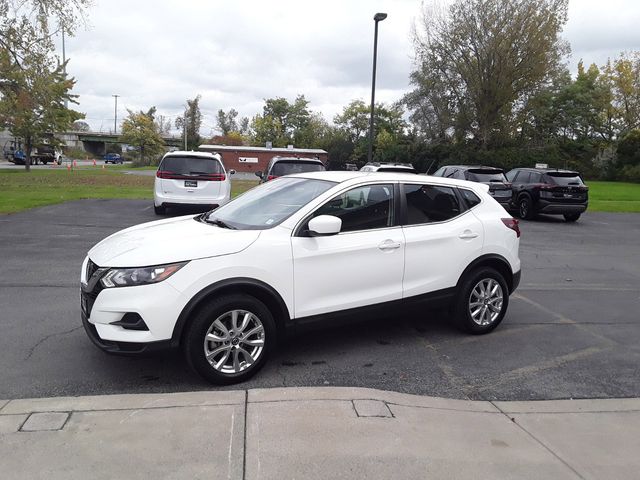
[{"x": 190, "y": 183}]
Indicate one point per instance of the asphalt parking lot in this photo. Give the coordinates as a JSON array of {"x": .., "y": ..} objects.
[{"x": 572, "y": 330}]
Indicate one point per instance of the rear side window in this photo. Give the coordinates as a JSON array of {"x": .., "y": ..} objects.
[
  {"x": 469, "y": 197},
  {"x": 190, "y": 165},
  {"x": 430, "y": 203},
  {"x": 564, "y": 178},
  {"x": 289, "y": 168}
]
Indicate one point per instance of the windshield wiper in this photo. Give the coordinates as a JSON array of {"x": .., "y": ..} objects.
[{"x": 218, "y": 223}]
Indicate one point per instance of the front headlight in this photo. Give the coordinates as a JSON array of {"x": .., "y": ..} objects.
[{"x": 129, "y": 277}]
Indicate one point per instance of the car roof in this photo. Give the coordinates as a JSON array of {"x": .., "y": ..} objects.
[
  {"x": 469, "y": 167},
  {"x": 191, "y": 153},
  {"x": 545, "y": 170},
  {"x": 354, "y": 177}
]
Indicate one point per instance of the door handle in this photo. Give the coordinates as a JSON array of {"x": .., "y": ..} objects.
[
  {"x": 389, "y": 245},
  {"x": 467, "y": 235}
]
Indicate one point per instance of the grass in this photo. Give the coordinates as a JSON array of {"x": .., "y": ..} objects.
[
  {"x": 20, "y": 190},
  {"x": 614, "y": 197}
]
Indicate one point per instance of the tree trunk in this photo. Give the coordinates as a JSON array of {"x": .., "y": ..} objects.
[{"x": 28, "y": 146}]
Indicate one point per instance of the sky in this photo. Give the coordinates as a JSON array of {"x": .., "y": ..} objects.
[{"x": 237, "y": 53}]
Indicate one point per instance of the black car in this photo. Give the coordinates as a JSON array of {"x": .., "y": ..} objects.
[
  {"x": 280, "y": 166},
  {"x": 546, "y": 190},
  {"x": 499, "y": 186}
]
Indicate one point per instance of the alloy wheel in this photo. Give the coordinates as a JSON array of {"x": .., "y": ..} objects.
[
  {"x": 485, "y": 301},
  {"x": 234, "y": 341}
]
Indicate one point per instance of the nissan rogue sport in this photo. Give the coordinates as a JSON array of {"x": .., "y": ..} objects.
[{"x": 226, "y": 285}]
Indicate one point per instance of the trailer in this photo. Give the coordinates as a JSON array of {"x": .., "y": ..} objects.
[{"x": 43, "y": 153}]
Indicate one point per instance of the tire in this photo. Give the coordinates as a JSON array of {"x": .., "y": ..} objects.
[
  {"x": 525, "y": 208},
  {"x": 483, "y": 319},
  {"x": 160, "y": 210},
  {"x": 236, "y": 360},
  {"x": 571, "y": 217}
]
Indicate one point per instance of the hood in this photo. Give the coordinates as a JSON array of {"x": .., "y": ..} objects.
[{"x": 168, "y": 241}]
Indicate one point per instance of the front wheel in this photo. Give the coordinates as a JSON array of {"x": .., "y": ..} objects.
[
  {"x": 571, "y": 217},
  {"x": 482, "y": 301},
  {"x": 229, "y": 339}
]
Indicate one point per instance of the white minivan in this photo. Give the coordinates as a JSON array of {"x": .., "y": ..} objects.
[{"x": 191, "y": 178}]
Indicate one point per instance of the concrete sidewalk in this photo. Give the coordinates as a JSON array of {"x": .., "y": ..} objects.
[{"x": 316, "y": 433}]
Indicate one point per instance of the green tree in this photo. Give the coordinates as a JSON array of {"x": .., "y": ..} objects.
[
  {"x": 191, "y": 121},
  {"x": 283, "y": 123},
  {"x": 487, "y": 57},
  {"x": 34, "y": 88},
  {"x": 139, "y": 130},
  {"x": 226, "y": 121}
]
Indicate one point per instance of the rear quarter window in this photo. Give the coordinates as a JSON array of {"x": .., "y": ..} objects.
[{"x": 470, "y": 198}]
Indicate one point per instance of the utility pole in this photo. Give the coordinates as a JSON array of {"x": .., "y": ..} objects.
[{"x": 115, "y": 116}]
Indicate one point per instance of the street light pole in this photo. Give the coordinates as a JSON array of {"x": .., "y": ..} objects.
[
  {"x": 184, "y": 125},
  {"x": 378, "y": 17},
  {"x": 115, "y": 116},
  {"x": 64, "y": 66}
]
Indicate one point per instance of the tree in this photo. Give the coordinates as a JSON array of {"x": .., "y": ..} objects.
[
  {"x": 139, "y": 130},
  {"x": 191, "y": 121},
  {"x": 34, "y": 88},
  {"x": 79, "y": 126},
  {"x": 226, "y": 121},
  {"x": 485, "y": 58},
  {"x": 283, "y": 123}
]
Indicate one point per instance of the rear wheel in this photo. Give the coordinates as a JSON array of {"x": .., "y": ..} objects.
[
  {"x": 482, "y": 301},
  {"x": 161, "y": 210},
  {"x": 571, "y": 217},
  {"x": 229, "y": 339},
  {"x": 525, "y": 207}
]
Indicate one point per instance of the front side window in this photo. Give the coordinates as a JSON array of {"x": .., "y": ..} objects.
[
  {"x": 430, "y": 203},
  {"x": 362, "y": 208},
  {"x": 269, "y": 204}
]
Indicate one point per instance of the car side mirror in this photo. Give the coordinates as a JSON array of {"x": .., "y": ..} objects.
[
  {"x": 325, "y": 225},
  {"x": 259, "y": 174},
  {"x": 232, "y": 172}
]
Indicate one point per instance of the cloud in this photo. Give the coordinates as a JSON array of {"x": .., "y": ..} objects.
[{"x": 235, "y": 54}]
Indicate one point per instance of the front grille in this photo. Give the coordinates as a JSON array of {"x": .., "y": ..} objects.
[
  {"x": 91, "y": 269},
  {"x": 91, "y": 289}
]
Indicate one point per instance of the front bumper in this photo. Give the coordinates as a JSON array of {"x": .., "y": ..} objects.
[
  {"x": 105, "y": 312},
  {"x": 121, "y": 348}
]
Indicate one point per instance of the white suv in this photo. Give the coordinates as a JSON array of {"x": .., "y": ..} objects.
[
  {"x": 226, "y": 284},
  {"x": 191, "y": 178}
]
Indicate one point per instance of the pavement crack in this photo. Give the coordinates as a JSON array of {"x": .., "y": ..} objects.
[
  {"x": 538, "y": 441},
  {"x": 44, "y": 339}
]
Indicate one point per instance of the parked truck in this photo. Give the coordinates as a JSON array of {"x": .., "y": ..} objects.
[{"x": 42, "y": 153}]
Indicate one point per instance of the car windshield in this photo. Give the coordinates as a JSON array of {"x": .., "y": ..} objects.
[
  {"x": 190, "y": 165},
  {"x": 269, "y": 204},
  {"x": 288, "y": 168},
  {"x": 487, "y": 176},
  {"x": 565, "y": 178}
]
